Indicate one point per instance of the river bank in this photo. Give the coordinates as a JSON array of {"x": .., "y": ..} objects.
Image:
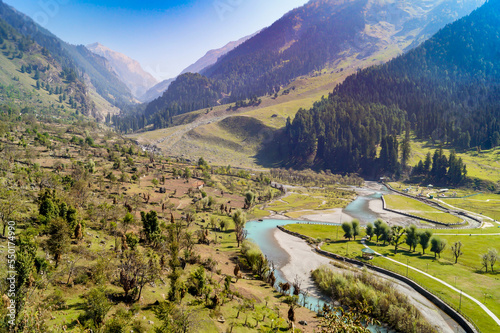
[{"x": 302, "y": 260}]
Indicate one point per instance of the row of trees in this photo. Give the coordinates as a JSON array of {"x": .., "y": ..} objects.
[
  {"x": 397, "y": 235},
  {"x": 441, "y": 169}
]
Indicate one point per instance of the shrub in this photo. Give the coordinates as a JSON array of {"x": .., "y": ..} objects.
[{"x": 381, "y": 300}]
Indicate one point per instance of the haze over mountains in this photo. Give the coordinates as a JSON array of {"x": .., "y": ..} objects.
[
  {"x": 128, "y": 70},
  {"x": 207, "y": 60},
  {"x": 331, "y": 34}
]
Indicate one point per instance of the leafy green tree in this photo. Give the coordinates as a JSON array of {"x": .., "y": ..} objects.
[
  {"x": 397, "y": 238},
  {"x": 386, "y": 235},
  {"x": 412, "y": 237},
  {"x": 202, "y": 163},
  {"x": 437, "y": 246},
  {"x": 175, "y": 319},
  {"x": 249, "y": 199},
  {"x": 405, "y": 149},
  {"x": 424, "y": 238},
  {"x": 348, "y": 232},
  {"x": 132, "y": 240},
  {"x": 187, "y": 174},
  {"x": 427, "y": 164},
  {"x": 379, "y": 227},
  {"x": 370, "y": 231},
  {"x": 197, "y": 281},
  {"x": 72, "y": 217},
  {"x": 239, "y": 219},
  {"x": 48, "y": 208},
  {"x": 150, "y": 224},
  {"x": 59, "y": 237},
  {"x": 24, "y": 267},
  {"x": 128, "y": 220},
  {"x": 97, "y": 306},
  {"x": 10, "y": 203},
  {"x": 355, "y": 228}
]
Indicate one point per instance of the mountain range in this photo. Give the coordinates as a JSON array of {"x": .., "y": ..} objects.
[
  {"x": 321, "y": 34},
  {"x": 128, "y": 70},
  {"x": 446, "y": 90},
  {"x": 204, "y": 62},
  {"x": 94, "y": 70}
]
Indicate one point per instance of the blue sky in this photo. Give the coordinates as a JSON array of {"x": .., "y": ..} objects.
[{"x": 164, "y": 36}]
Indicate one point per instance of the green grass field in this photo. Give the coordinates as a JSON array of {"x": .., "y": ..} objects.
[
  {"x": 486, "y": 204},
  {"x": 484, "y": 165},
  {"x": 466, "y": 275},
  {"x": 418, "y": 208}
]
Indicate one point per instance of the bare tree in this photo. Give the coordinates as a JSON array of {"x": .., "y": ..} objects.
[
  {"x": 485, "y": 260},
  {"x": 492, "y": 257},
  {"x": 456, "y": 249}
]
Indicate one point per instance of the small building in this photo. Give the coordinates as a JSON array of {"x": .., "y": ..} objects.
[{"x": 368, "y": 253}]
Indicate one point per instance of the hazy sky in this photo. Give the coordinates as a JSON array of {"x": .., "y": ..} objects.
[{"x": 164, "y": 36}]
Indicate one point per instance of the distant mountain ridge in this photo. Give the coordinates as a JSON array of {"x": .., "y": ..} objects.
[
  {"x": 212, "y": 56},
  {"x": 33, "y": 80},
  {"x": 207, "y": 60},
  {"x": 128, "y": 70},
  {"x": 321, "y": 34},
  {"x": 94, "y": 69}
]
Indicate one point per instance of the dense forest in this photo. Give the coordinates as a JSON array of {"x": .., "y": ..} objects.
[
  {"x": 447, "y": 89},
  {"x": 301, "y": 42}
]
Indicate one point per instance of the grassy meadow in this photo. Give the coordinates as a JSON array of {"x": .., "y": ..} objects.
[{"x": 467, "y": 275}]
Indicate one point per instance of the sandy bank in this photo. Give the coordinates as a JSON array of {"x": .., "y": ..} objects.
[{"x": 303, "y": 260}]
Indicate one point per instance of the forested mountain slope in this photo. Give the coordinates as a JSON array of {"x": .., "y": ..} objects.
[
  {"x": 89, "y": 66},
  {"x": 321, "y": 34},
  {"x": 35, "y": 82},
  {"x": 447, "y": 89}
]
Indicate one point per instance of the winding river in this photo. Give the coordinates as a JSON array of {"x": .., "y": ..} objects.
[{"x": 294, "y": 259}]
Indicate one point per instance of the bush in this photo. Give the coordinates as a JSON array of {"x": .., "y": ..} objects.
[
  {"x": 82, "y": 278},
  {"x": 97, "y": 306},
  {"x": 254, "y": 259},
  {"x": 55, "y": 300},
  {"x": 380, "y": 299}
]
